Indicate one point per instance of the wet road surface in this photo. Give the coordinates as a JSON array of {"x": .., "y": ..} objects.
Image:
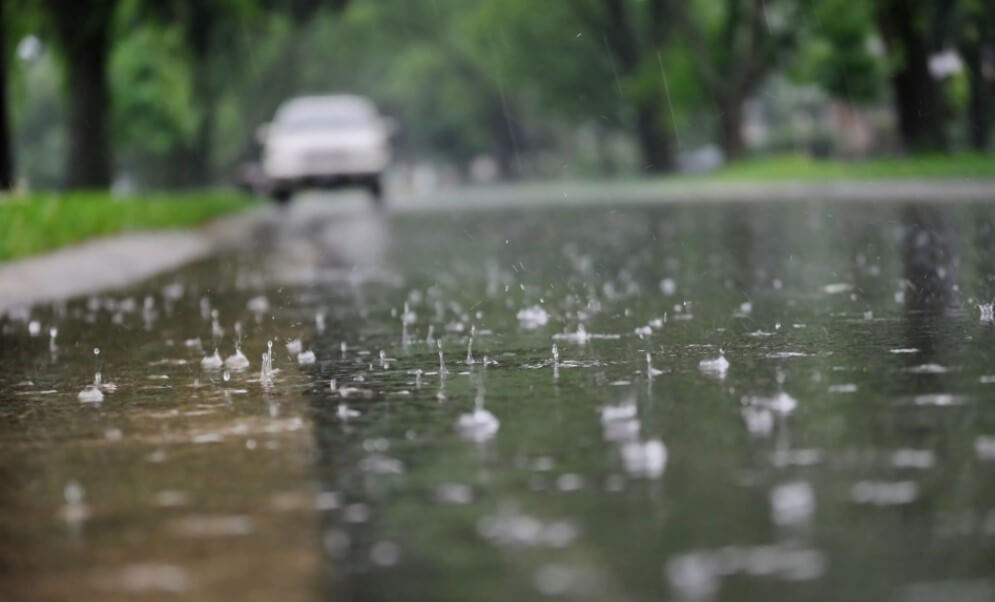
[{"x": 768, "y": 401}]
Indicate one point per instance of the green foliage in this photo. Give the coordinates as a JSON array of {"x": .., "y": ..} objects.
[
  {"x": 154, "y": 112},
  {"x": 37, "y": 115},
  {"x": 803, "y": 167},
  {"x": 838, "y": 52},
  {"x": 192, "y": 79},
  {"x": 37, "y": 223},
  {"x": 562, "y": 61}
]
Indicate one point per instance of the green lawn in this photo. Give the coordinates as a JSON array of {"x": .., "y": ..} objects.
[
  {"x": 40, "y": 222},
  {"x": 800, "y": 167}
]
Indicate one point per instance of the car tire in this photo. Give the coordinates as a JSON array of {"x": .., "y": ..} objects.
[
  {"x": 281, "y": 195},
  {"x": 375, "y": 188}
]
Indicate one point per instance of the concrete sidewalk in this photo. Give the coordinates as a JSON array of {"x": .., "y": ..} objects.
[{"x": 117, "y": 261}]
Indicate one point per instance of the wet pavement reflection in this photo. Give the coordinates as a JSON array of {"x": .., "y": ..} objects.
[{"x": 723, "y": 402}]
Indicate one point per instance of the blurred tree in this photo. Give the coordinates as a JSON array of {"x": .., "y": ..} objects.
[
  {"x": 208, "y": 34},
  {"x": 735, "y": 44},
  {"x": 912, "y": 30},
  {"x": 212, "y": 33},
  {"x": 557, "y": 68},
  {"x": 590, "y": 80},
  {"x": 6, "y": 148},
  {"x": 189, "y": 80},
  {"x": 838, "y": 50},
  {"x": 83, "y": 31},
  {"x": 155, "y": 116},
  {"x": 975, "y": 32},
  {"x": 442, "y": 67},
  {"x": 635, "y": 33}
]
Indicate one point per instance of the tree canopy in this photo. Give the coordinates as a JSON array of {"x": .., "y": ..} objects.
[{"x": 169, "y": 93}]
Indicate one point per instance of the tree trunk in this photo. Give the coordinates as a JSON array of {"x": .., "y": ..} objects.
[
  {"x": 506, "y": 137},
  {"x": 89, "y": 143},
  {"x": 6, "y": 150},
  {"x": 921, "y": 116},
  {"x": 978, "y": 104},
  {"x": 84, "y": 31},
  {"x": 731, "y": 129},
  {"x": 918, "y": 98},
  {"x": 200, "y": 34},
  {"x": 602, "y": 144},
  {"x": 653, "y": 138}
]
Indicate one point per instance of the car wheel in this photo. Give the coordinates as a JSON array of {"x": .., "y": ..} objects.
[
  {"x": 375, "y": 188},
  {"x": 282, "y": 195}
]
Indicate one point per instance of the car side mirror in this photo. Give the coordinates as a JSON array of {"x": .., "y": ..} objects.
[{"x": 262, "y": 133}]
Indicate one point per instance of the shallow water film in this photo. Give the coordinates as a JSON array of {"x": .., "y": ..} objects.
[{"x": 685, "y": 402}]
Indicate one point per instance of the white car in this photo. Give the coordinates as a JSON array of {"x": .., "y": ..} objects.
[{"x": 325, "y": 142}]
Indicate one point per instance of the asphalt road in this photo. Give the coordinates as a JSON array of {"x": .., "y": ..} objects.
[{"x": 524, "y": 396}]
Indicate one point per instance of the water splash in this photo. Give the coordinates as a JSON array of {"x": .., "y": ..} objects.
[
  {"x": 442, "y": 361},
  {"x": 75, "y": 510},
  {"x": 212, "y": 362},
  {"x": 533, "y": 317},
  {"x": 478, "y": 425},
  {"x": 344, "y": 412},
  {"x": 237, "y": 361},
  {"x": 306, "y": 357},
  {"x": 987, "y": 311},
  {"x": 759, "y": 421},
  {"x": 698, "y": 575},
  {"x": 622, "y": 411},
  {"x": 650, "y": 370},
  {"x": 781, "y": 403},
  {"x": 216, "y": 331},
  {"x": 408, "y": 317},
  {"x": 716, "y": 366},
  {"x": 469, "y": 347},
  {"x": 581, "y": 335},
  {"x": 645, "y": 459},
  {"x": 92, "y": 393},
  {"x": 258, "y": 305},
  {"x": 792, "y": 503},
  {"x": 266, "y": 372},
  {"x": 294, "y": 346}
]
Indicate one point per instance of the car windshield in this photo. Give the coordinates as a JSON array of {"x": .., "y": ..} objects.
[{"x": 306, "y": 118}]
